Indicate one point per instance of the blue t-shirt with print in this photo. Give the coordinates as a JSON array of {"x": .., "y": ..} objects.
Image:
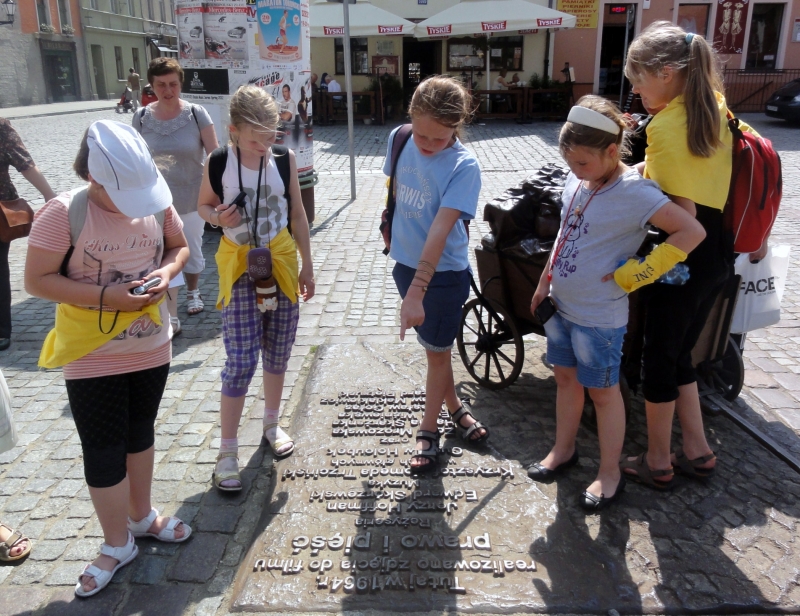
[{"x": 450, "y": 178}]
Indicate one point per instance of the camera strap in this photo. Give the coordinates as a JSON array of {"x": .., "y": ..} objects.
[{"x": 261, "y": 165}]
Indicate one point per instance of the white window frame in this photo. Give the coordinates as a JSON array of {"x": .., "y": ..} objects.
[
  {"x": 48, "y": 15},
  {"x": 68, "y": 12}
]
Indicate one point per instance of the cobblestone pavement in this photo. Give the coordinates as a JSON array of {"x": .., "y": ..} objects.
[{"x": 41, "y": 481}]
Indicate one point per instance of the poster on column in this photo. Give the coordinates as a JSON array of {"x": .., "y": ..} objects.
[
  {"x": 226, "y": 34},
  {"x": 729, "y": 25},
  {"x": 189, "y": 20}
]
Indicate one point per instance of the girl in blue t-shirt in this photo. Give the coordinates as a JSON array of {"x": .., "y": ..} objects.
[{"x": 437, "y": 183}]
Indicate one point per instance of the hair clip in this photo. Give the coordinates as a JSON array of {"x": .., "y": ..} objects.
[{"x": 689, "y": 38}]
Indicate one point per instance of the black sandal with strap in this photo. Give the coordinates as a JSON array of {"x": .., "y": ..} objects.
[
  {"x": 430, "y": 454},
  {"x": 693, "y": 468},
  {"x": 466, "y": 433},
  {"x": 646, "y": 475}
]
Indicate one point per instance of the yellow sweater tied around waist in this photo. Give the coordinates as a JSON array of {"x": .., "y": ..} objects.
[
  {"x": 232, "y": 264},
  {"x": 76, "y": 332}
]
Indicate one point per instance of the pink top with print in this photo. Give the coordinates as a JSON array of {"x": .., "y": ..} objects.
[{"x": 112, "y": 249}]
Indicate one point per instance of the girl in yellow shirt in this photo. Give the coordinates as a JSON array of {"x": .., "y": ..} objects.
[{"x": 689, "y": 155}]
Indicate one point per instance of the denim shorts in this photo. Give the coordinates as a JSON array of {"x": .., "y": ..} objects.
[
  {"x": 596, "y": 351},
  {"x": 443, "y": 304}
]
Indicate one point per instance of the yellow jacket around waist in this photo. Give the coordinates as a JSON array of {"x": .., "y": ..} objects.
[
  {"x": 77, "y": 333},
  {"x": 232, "y": 264}
]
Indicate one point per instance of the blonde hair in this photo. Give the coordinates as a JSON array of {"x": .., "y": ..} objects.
[
  {"x": 574, "y": 135},
  {"x": 253, "y": 106},
  {"x": 663, "y": 45},
  {"x": 444, "y": 99}
]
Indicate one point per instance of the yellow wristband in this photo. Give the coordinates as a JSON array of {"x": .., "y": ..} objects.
[{"x": 634, "y": 274}]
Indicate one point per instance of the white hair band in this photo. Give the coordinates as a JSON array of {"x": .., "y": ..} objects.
[{"x": 595, "y": 119}]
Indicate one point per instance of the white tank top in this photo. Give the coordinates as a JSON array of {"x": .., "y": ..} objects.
[{"x": 273, "y": 211}]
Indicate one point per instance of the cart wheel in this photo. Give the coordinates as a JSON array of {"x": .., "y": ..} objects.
[
  {"x": 728, "y": 373},
  {"x": 491, "y": 348},
  {"x": 589, "y": 417}
]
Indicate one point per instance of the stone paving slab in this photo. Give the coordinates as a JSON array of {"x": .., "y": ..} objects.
[{"x": 357, "y": 303}]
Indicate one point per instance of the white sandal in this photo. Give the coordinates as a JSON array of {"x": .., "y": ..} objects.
[
  {"x": 194, "y": 302},
  {"x": 124, "y": 555},
  {"x": 282, "y": 439},
  {"x": 167, "y": 534}
]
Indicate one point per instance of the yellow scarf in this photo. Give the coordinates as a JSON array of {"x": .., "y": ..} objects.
[
  {"x": 76, "y": 332},
  {"x": 232, "y": 263}
]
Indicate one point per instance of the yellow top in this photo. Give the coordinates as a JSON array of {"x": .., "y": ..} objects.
[
  {"x": 677, "y": 171},
  {"x": 76, "y": 332},
  {"x": 232, "y": 263}
]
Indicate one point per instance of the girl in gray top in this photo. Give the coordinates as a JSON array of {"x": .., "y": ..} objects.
[
  {"x": 606, "y": 207},
  {"x": 172, "y": 127}
]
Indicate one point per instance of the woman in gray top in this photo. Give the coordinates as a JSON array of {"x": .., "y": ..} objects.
[{"x": 172, "y": 127}]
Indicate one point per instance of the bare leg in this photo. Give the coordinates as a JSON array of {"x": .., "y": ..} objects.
[
  {"x": 140, "y": 477},
  {"x": 111, "y": 505},
  {"x": 439, "y": 385},
  {"x": 569, "y": 408},
  {"x": 172, "y": 301},
  {"x": 192, "y": 281},
  {"x": 273, "y": 389},
  {"x": 452, "y": 400},
  {"x": 659, "y": 436},
  {"x": 690, "y": 416},
  {"x": 230, "y": 410},
  {"x": 611, "y": 434}
]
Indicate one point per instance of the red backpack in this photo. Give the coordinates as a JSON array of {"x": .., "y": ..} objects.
[{"x": 756, "y": 189}]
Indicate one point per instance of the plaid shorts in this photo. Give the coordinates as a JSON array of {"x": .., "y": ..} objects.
[{"x": 246, "y": 331}]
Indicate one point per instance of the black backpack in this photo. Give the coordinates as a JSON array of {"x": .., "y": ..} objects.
[{"x": 219, "y": 160}]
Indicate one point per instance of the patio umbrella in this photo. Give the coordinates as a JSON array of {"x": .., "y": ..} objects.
[
  {"x": 366, "y": 19},
  {"x": 489, "y": 17},
  {"x": 492, "y": 16}
]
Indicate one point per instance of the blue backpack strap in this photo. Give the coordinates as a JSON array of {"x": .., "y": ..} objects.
[{"x": 280, "y": 153}]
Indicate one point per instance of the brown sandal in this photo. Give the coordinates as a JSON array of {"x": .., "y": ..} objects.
[
  {"x": 646, "y": 475},
  {"x": 15, "y": 537},
  {"x": 693, "y": 468}
]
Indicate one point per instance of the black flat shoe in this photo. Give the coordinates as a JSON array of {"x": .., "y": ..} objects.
[
  {"x": 542, "y": 474},
  {"x": 5, "y": 343},
  {"x": 593, "y": 504}
]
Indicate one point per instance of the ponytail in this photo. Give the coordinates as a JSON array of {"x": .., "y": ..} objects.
[
  {"x": 663, "y": 45},
  {"x": 702, "y": 110}
]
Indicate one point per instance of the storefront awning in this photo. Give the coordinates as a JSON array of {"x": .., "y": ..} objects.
[
  {"x": 489, "y": 17},
  {"x": 327, "y": 19}
]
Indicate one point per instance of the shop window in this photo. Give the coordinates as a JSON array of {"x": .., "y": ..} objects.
[
  {"x": 765, "y": 34},
  {"x": 135, "y": 53},
  {"x": 359, "y": 56},
  {"x": 505, "y": 52},
  {"x": 465, "y": 53},
  {"x": 41, "y": 12},
  {"x": 694, "y": 18},
  {"x": 63, "y": 13},
  {"x": 118, "y": 60}
]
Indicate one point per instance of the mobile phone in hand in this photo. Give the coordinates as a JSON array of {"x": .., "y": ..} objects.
[
  {"x": 143, "y": 288},
  {"x": 545, "y": 310}
]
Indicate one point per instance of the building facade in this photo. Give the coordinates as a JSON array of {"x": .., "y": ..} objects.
[
  {"x": 43, "y": 59},
  {"x": 125, "y": 34},
  {"x": 757, "y": 41}
]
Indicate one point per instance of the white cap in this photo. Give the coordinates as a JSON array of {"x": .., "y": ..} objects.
[
  {"x": 120, "y": 161},
  {"x": 595, "y": 119}
]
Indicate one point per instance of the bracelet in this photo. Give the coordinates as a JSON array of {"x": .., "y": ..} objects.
[
  {"x": 428, "y": 264},
  {"x": 419, "y": 286},
  {"x": 418, "y": 275},
  {"x": 430, "y": 272},
  {"x": 216, "y": 226}
]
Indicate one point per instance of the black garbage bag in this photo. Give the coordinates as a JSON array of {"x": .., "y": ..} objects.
[{"x": 530, "y": 210}]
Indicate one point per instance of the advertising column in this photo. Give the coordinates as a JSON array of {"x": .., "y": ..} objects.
[{"x": 229, "y": 43}]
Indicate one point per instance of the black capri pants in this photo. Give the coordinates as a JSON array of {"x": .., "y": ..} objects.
[
  {"x": 676, "y": 315},
  {"x": 115, "y": 415}
]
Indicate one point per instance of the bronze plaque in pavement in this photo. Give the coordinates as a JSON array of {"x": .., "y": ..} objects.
[{"x": 355, "y": 529}]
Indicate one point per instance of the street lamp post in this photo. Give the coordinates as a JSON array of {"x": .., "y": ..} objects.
[
  {"x": 348, "y": 84},
  {"x": 11, "y": 10}
]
